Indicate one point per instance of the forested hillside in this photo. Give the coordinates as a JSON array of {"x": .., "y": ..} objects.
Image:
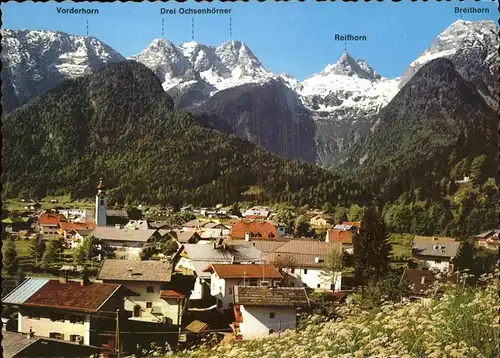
[
  {"x": 118, "y": 123},
  {"x": 436, "y": 131}
]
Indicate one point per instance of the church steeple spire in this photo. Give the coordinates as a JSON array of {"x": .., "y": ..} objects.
[{"x": 101, "y": 204}]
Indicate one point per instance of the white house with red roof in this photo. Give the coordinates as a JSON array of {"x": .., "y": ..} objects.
[
  {"x": 48, "y": 223},
  {"x": 224, "y": 277}
]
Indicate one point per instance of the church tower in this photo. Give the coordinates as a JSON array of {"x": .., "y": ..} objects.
[{"x": 101, "y": 205}]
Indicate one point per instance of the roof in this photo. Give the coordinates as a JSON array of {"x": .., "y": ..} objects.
[
  {"x": 418, "y": 238},
  {"x": 244, "y": 271},
  {"x": 257, "y": 229},
  {"x": 204, "y": 255},
  {"x": 68, "y": 226},
  {"x": 270, "y": 296},
  {"x": 51, "y": 218},
  {"x": 83, "y": 232},
  {"x": 196, "y": 326},
  {"x": 344, "y": 227},
  {"x": 309, "y": 247},
  {"x": 263, "y": 245},
  {"x": 14, "y": 343},
  {"x": 122, "y": 234},
  {"x": 159, "y": 225},
  {"x": 141, "y": 224},
  {"x": 340, "y": 236},
  {"x": 25, "y": 290},
  {"x": 171, "y": 294},
  {"x": 72, "y": 295},
  {"x": 195, "y": 224},
  {"x": 440, "y": 249},
  {"x": 478, "y": 236},
  {"x": 184, "y": 236},
  {"x": 135, "y": 270},
  {"x": 356, "y": 224}
]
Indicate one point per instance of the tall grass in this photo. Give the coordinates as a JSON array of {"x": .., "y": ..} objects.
[{"x": 463, "y": 322}]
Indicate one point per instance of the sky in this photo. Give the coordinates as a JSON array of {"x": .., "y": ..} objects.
[{"x": 295, "y": 37}]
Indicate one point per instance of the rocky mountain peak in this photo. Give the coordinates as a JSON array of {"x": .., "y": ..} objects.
[{"x": 346, "y": 65}]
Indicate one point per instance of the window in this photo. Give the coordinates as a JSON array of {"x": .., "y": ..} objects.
[
  {"x": 149, "y": 304},
  {"x": 319, "y": 285},
  {"x": 271, "y": 331},
  {"x": 422, "y": 280},
  {"x": 305, "y": 271},
  {"x": 150, "y": 289},
  {"x": 293, "y": 270},
  {"x": 56, "y": 335},
  {"x": 230, "y": 291},
  {"x": 137, "y": 311},
  {"x": 102, "y": 201},
  {"x": 272, "y": 315},
  {"x": 75, "y": 338}
]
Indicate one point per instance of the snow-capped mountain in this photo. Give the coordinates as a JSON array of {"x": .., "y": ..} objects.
[
  {"x": 228, "y": 65},
  {"x": 473, "y": 48},
  {"x": 337, "y": 106},
  {"x": 347, "y": 89},
  {"x": 36, "y": 61}
]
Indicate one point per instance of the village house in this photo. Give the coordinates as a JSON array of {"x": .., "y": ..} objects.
[
  {"x": 260, "y": 311},
  {"x": 321, "y": 221},
  {"x": 194, "y": 225},
  {"x": 488, "y": 239},
  {"x": 184, "y": 237},
  {"x": 67, "y": 310},
  {"x": 343, "y": 237},
  {"x": 48, "y": 223},
  {"x": 74, "y": 233},
  {"x": 16, "y": 224},
  {"x": 223, "y": 278},
  {"x": 156, "y": 301},
  {"x": 139, "y": 224},
  {"x": 195, "y": 258},
  {"x": 421, "y": 283},
  {"x": 307, "y": 261},
  {"x": 252, "y": 230},
  {"x": 261, "y": 212},
  {"x": 127, "y": 242},
  {"x": 434, "y": 254},
  {"x": 20, "y": 345},
  {"x": 213, "y": 230},
  {"x": 77, "y": 215}
]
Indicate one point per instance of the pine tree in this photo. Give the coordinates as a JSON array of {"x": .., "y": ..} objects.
[
  {"x": 9, "y": 257},
  {"x": 37, "y": 249},
  {"x": 371, "y": 248},
  {"x": 50, "y": 255},
  {"x": 465, "y": 257}
]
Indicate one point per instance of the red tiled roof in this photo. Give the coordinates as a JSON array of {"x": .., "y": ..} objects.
[
  {"x": 67, "y": 226},
  {"x": 171, "y": 294},
  {"x": 241, "y": 271},
  {"x": 356, "y": 224},
  {"x": 257, "y": 230},
  {"x": 72, "y": 295},
  {"x": 51, "y": 219},
  {"x": 344, "y": 237}
]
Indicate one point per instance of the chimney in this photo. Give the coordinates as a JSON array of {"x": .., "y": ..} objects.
[
  {"x": 85, "y": 278},
  {"x": 247, "y": 236},
  {"x": 30, "y": 334},
  {"x": 64, "y": 277}
]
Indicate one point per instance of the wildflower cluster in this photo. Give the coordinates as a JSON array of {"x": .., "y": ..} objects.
[{"x": 462, "y": 322}]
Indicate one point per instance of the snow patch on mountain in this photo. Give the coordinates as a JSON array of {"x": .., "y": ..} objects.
[{"x": 348, "y": 88}]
